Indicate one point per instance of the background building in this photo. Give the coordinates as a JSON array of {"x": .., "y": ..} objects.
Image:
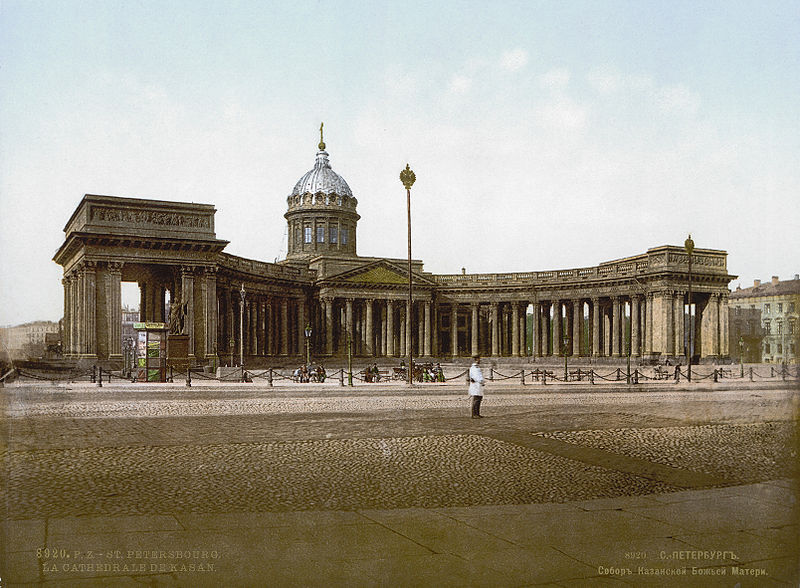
[
  {"x": 28, "y": 340},
  {"x": 775, "y": 305}
]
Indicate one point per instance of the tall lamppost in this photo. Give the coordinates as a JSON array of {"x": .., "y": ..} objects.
[
  {"x": 308, "y": 345},
  {"x": 689, "y": 246},
  {"x": 408, "y": 178},
  {"x": 241, "y": 328},
  {"x": 741, "y": 357}
]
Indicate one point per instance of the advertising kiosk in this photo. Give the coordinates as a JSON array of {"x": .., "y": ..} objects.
[{"x": 151, "y": 352}]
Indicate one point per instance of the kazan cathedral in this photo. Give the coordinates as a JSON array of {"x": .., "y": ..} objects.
[{"x": 326, "y": 290}]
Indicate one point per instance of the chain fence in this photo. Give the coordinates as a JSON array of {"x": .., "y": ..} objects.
[{"x": 656, "y": 374}]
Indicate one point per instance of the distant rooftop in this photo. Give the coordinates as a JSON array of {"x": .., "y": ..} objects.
[{"x": 774, "y": 287}]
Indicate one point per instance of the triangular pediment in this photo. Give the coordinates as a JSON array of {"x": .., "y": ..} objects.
[{"x": 378, "y": 273}]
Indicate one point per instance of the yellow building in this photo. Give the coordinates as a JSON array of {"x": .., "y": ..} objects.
[{"x": 778, "y": 303}]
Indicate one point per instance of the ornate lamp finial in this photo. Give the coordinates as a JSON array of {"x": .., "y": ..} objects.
[
  {"x": 321, "y": 142},
  {"x": 689, "y": 244},
  {"x": 407, "y": 177}
]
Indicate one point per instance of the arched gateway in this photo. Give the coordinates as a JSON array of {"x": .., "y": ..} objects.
[{"x": 170, "y": 249}]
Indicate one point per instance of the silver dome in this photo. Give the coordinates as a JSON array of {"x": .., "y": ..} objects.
[{"x": 321, "y": 179}]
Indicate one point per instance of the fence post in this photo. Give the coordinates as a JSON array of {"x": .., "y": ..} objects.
[
  {"x": 269, "y": 377},
  {"x": 636, "y": 376},
  {"x": 544, "y": 377},
  {"x": 491, "y": 374},
  {"x": 715, "y": 375},
  {"x": 771, "y": 372},
  {"x": 618, "y": 375},
  {"x": 188, "y": 376},
  {"x": 100, "y": 379},
  {"x": 171, "y": 379},
  {"x": 94, "y": 374},
  {"x": 591, "y": 376},
  {"x": 751, "y": 373},
  {"x": 523, "y": 376},
  {"x": 677, "y": 374},
  {"x": 341, "y": 377},
  {"x": 783, "y": 374}
]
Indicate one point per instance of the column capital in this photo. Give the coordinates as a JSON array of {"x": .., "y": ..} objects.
[
  {"x": 210, "y": 271},
  {"x": 115, "y": 266},
  {"x": 186, "y": 270}
]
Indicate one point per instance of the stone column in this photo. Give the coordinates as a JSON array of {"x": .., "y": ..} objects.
[
  {"x": 420, "y": 329},
  {"x": 90, "y": 309},
  {"x": 301, "y": 320},
  {"x": 474, "y": 330},
  {"x": 142, "y": 301},
  {"x": 723, "y": 324},
  {"x": 595, "y": 352},
  {"x": 536, "y": 335},
  {"x": 454, "y": 329},
  {"x": 348, "y": 321},
  {"x": 678, "y": 319},
  {"x": 370, "y": 334},
  {"x": 401, "y": 340},
  {"x": 545, "y": 328},
  {"x": 66, "y": 348},
  {"x": 210, "y": 311},
  {"x": 284, "y": 326},
  {"x": 635, "y": 330},
  {"x": 514, "y": 329},
  {"x": 709, "y": 325},
  {"x": 616, "y": 327},
  {"x": 114, "y": 310},
  {"x": 390, "y": 328},
  {"x": 187, "y": 298},
  {"x": 231, "y": 330},
  {"x": 494, "y": 318},
  {"x": 577, "y": 327},
  {"x": 648, "y": 324},
  {"x": 328, "y": 305},
  {"x": 427, "y": 334},
  {"x": 557, "y": 332},
  {"x": 409, "y": 327},
  {"x": 523, "y": 328}
]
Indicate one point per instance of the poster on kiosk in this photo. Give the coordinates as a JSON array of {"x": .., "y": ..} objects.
[{"x": 151, "y": 352}]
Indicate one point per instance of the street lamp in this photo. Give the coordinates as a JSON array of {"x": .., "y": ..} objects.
[
  {"x": 308, "y": 345},
  {"x": 689, "y": 246},
  {"x": 241, "y": 329},
  {"x": 741, "y": 357},
  {"x": 566, "y": 346},
  {"x": 408, "y": 178}
]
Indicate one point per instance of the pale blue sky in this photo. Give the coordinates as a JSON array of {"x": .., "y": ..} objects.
[{"x": 544, "y": 135}]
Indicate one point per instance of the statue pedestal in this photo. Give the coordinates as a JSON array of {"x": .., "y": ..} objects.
[{"x": 178, "y": 351}]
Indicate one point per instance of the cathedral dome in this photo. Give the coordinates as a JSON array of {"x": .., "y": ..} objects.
[{"x": 321, "y": 179}]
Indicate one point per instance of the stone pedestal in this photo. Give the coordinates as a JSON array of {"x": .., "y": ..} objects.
[{"x": 178, "y": 351}]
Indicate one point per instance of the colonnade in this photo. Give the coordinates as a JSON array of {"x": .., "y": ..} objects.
[{"x": 654, "y": 323}]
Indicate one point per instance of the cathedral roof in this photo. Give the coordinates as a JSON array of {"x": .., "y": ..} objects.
[{"x": 321, "y": 178}]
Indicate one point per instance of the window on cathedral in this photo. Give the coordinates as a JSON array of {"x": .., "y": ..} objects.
[
  {"x": 320, "y": 234},
  {"x": 780, "y": 307},
  {"x": 766, "y": 309},
  {"x": 344, "y": 236},
  {"x": 334, "y": 231},
  {"x": 308, "y": 234},
  {"x": 791, "y": 307},
  {"x": 297, "y": 235}
]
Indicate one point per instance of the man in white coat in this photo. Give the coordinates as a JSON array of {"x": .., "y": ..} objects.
[{"x": 476, "y": 387}]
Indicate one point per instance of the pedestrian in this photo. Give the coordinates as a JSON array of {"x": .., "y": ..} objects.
[{"x": 476, "y": 386}]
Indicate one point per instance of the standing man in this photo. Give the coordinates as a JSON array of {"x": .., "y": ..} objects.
[{"x": 476, "y": 386}]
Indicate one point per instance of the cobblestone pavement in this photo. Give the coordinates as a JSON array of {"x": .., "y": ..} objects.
[
  {"x": 129, "y": 451},
  {"x": 410, "y": 486}
]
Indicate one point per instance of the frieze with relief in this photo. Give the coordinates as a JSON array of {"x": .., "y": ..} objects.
[{"x": 151, "y": 217}]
